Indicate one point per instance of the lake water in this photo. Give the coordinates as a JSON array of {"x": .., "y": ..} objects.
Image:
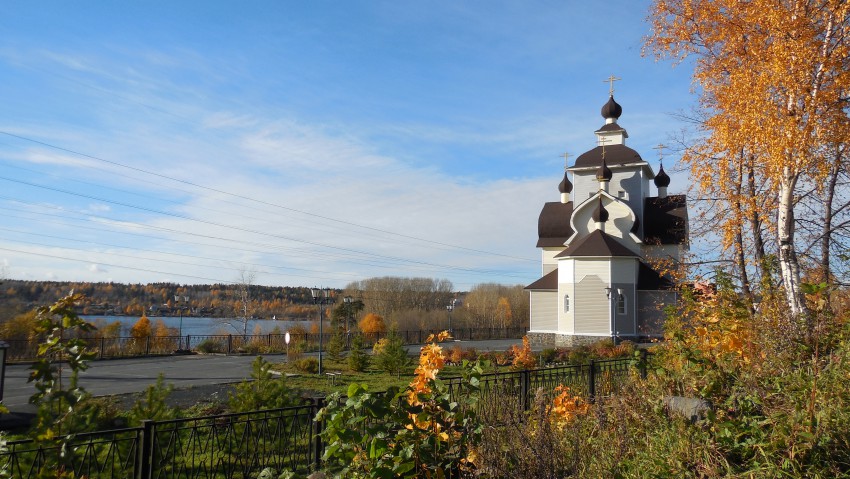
[{"x": 204, "y": 326}]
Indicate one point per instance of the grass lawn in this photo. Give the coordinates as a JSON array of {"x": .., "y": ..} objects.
[{"x": 375, "y": 379}]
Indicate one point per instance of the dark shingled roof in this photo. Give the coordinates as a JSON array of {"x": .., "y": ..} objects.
[
  {"x": 614, "y": 155},
  {"x": 610, "y": 127},
  {"x": 553, "y": 225},
  {"x": 649, "y": 279},
  {"x": 548, "y": 282},
  {"x": 665, "y": 220},
  {"x": 596, "y": 243}
]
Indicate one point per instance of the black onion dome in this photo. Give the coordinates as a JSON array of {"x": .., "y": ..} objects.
[
  {"x": 662, "y": 180},
  {"x": 600, "y": 214},
  {"x": 565, "y": 186},
  {"x": 612, "y": 109},
  {"x": 603, "y": 173}
]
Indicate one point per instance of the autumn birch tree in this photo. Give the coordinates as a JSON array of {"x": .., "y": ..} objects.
[{"x": 773, "y": 78}]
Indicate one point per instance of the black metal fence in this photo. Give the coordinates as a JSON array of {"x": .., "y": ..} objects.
[
  {"x": 125, "y": 346},
  {"x": 240, "y": 445}
]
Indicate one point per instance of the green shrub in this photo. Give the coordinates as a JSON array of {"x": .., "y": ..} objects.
[
  {"x": 358, "y": 360},
  {"x": 547, "y": 356},
  {"x": 265, "y": 391},
  {"x": 209, "y": 346},
  {"x": 308, "y": 365},
  {"x": 393, "y": 358},
  {"x": 336, "y": 345},
  {"x": 153, "y": 404}
]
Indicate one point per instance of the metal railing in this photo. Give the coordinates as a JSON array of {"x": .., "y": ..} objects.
[
  {"x": 240, "y": 445},
  {"x": 123, "y": 347}
]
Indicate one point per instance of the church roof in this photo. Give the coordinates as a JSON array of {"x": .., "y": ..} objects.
[
  {"x": 649, "y": 279},
  {"x": 547, "y": 282},
  {"x": 610, "y": 127},
  {"x": 614, "y": 155},
  {"x": 665, "y": 220},
  {"x": 597, "y": 244},
  {"x": 553, "y": 225}
]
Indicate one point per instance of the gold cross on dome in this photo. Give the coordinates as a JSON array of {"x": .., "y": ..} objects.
[
  {"x": 565, "y": 156},
  {"x": 611, "y": 79},
  {"x": 602, "y": 142},
  {"x": 660, "y": 149}
]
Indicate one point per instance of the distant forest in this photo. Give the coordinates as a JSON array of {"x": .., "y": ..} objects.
[
  {"x": 157, "y": 299},
  {"x": 403, "y": 303}
]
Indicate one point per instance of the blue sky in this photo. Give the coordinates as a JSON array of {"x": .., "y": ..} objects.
[{"x": 313, "y": 143}]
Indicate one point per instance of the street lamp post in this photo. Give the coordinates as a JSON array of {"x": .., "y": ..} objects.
[
  {"x": 347, "y": 300},
  {"x": 321, "y": 297},
  {"x": 450, "y": 307},
  {"x": 185, "y": 300}
]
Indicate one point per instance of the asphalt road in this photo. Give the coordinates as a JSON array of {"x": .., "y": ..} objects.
[{"x": 124, "y": 376}]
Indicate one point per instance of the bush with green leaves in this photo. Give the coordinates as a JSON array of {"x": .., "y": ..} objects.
[
  {"x": 308, "y": 365},
  {"x": 336, "y": 345},
  {"x": 393, "y": 357},
  {"x": 358, "y": 359},
  {"x": 152, "y": 405},
  {"x": 265, "y": 391},
  {"x": 59, "y": 413},
  {"x": 419, "y": 431}
]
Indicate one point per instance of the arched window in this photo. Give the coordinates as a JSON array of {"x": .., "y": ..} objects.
[
  {"x": 621, "y": 304},
  {"x": 566, "y": 303}
]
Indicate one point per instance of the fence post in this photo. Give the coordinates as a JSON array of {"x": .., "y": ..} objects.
[
  {"x": 147, "y": 345},
  {"x": 318, "y": 403},
  {"x": 643, "y": 365},
  {"x": 188, "y": 341},
  {"x": 101, "y": 347},
  {"x": 525, "y": 385},
  {"x": 591, "y": 380},
  {"x": 144, "y": 467}
]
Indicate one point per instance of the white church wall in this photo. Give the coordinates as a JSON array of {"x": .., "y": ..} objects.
[
  {"x": 566, "y": 288},
  {"x": 543, "y": 311},
  {"x": 584, "y": 186},
  {"x": 592, "y": 311},
  {"x": 549, "y": 261},
  {"x": 627, "y": 181}
]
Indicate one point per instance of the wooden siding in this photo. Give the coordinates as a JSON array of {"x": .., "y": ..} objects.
[
  {"x": 566, "y": 286},
  {"x": 544, "y": 315},
  {"x": 592, "y": 307}
]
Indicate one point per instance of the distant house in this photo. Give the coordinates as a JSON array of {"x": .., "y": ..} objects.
[{"x": 602, "y": 243}]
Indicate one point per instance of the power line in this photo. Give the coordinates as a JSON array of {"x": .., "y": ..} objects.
[{"x": 253, "y": 200}]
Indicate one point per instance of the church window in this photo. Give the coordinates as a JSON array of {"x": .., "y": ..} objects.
[
  {"x": 566, "y": 303},
  {"x": 621, "y": 304}
]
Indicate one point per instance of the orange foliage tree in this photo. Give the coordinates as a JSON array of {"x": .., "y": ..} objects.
[
  {"x": 142, "y": 328},
  {"x": 773, "y": 78},
  {"x": 372, "y": 324}
]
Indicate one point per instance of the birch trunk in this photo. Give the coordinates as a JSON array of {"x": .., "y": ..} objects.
[{"x": 788, "y": 265}]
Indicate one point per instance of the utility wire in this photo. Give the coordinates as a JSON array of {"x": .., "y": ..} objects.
[{"x": 253, "y": 200}]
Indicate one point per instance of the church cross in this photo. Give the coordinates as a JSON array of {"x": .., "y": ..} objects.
[
  {"x": 660, "y": 149},
  {"x": 565, "y": 156},
  {"x": 602, "y": 141},
  {"x": 611, "y": 79}
]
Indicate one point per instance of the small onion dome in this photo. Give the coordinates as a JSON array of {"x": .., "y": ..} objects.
[
  {"x": 612, "y": 109},
  {"x": 565, "y": 186},
  {"x": 600, "y": 214},
  {"x": 603, "y": 173},
  {"x": 661, "y": 179}
]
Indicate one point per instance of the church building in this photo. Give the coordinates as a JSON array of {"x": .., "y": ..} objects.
[{"x": 605, "y": 245}]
